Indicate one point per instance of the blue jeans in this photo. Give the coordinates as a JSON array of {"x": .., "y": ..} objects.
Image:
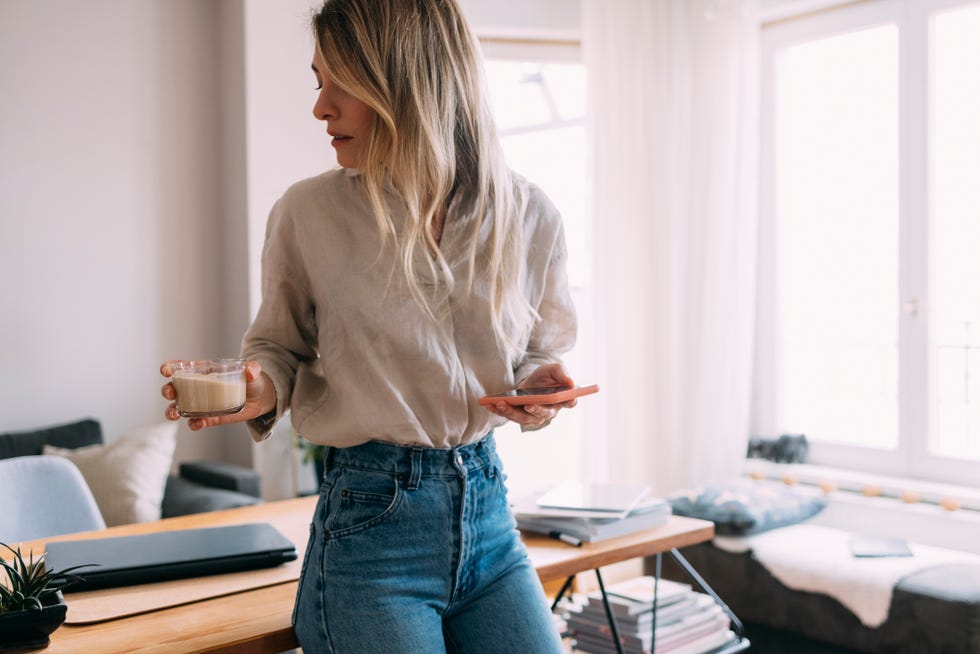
[{"x": 414, "y": 551}]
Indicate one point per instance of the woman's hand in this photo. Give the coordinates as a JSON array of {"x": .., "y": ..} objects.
[
  {"x": 537, "y": 415},
  {"x": 260, "y": 398}
]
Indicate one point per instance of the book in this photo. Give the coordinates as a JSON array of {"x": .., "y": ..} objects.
[
  {"x": 666, "y": 615},
  {"x": 694, "y": 623},
  {"x": 610, "y": 500},
  {"x": 869, "y": 546},
  {"x": 639, "y": 590},
  {"x": 688, "y": 621},
  {"x": 696, "y": 643},
  {"x": 654, "y": 513}
]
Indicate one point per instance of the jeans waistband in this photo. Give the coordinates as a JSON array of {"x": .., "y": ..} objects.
[{"x": 414, "y": 461}]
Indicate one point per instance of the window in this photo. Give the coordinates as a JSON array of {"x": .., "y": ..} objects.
[
  {"x": 539, "y": 106},
  {"x": 538, "y": 94},
  {"x": 869, "y": 300}
]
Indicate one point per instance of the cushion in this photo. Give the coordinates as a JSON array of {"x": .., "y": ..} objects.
[
  {"x": 747, "y": 506},
  {"x": 184, "y": 496},
  {"x": 32, "y": 442},
  {"x": 227, "y": 476},
  {"x": 128, "y": 475}
]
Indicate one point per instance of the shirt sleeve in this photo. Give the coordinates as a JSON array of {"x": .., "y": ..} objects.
[{"x": 283, "y": 334}]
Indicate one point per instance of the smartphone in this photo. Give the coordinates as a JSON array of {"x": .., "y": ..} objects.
[{"x": 547, "y": 395}]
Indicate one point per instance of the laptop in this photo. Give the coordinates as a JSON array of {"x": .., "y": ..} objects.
[{"x": 167, "y": 555}]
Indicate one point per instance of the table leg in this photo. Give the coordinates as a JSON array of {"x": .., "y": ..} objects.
[
  {"x": 613, "y": 626},
  {"x": 656, "y": 594},
  {"x": 741, "y": 643},
  {"x": 736, "y": 623},
  {"x": 561, "y": 593}
]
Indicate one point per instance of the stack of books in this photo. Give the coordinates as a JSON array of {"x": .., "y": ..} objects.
[
  {"x": 688, "y": 622},
  {"x": 578, "y": 512}
]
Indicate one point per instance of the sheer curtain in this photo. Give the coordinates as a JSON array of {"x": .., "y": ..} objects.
[{"x": 672, "y": 104}]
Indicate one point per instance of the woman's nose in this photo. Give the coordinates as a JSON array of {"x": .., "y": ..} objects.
[{"x": 324, "y": 108}]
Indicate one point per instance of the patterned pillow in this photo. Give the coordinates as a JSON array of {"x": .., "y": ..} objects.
[{"x": 748, "y": 506}]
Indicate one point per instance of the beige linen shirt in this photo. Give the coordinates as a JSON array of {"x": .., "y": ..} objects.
[{"x": 355, "y": 358}]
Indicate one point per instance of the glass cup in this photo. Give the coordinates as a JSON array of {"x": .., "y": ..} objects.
[{"x": 208, "y": 387}]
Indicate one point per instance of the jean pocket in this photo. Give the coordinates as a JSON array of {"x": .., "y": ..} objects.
[{"x": 359, "y": 500}]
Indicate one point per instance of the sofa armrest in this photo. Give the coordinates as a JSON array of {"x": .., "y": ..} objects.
[
  {"x": 185, "y": 497},
  {"x": 224, "y": 476}
]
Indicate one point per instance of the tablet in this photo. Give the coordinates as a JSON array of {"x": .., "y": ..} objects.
[
  {"x": 547, "y": 395},
  {"x": 590, "y": 496}
]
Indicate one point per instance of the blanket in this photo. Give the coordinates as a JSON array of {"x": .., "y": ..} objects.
[{"x": 818, "y": 559}]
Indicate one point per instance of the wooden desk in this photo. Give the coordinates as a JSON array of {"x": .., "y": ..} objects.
[{"x": 259, "y": 621}]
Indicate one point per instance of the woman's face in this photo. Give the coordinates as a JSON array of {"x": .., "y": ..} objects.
[{"x": 348, "y": 119}]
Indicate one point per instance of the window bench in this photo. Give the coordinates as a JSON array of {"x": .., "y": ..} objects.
[{"x": 933, "y": 605}]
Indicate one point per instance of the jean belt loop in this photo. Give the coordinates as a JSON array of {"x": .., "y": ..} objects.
[
  {"x": 416, "y": 473},
  {"x": 488, "y": 469}
]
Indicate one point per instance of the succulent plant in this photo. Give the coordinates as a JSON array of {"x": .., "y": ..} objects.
[
  {"x": 311, "y": 451},
  {"x": 28, "y": 583}
]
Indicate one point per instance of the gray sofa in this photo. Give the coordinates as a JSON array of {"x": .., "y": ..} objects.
[{"x": 197, "y": 487}]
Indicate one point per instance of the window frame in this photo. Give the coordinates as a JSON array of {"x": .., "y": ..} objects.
[
  {"x": 916, "y": 377},
  {"x": 549, "y": 50}
]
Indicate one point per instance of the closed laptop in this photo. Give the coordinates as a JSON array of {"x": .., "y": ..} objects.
[{"x": 167, "y": 555}]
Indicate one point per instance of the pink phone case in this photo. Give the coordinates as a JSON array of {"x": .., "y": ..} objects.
[{"x": 554, "y": 395}]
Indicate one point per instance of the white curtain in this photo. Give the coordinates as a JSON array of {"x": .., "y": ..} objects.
[{"x": 672, "y": 104}]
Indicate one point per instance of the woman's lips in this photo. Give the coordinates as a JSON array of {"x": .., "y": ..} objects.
[{"x": 340, "y": 139}]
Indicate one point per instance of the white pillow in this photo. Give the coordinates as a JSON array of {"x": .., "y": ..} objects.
[{"x": 128, "y": 475}]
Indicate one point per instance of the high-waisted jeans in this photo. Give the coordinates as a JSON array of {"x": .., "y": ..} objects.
[{"x": 414, "y": 551}]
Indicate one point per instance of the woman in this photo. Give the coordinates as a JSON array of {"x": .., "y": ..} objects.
[{"x": 398, "y": 290}]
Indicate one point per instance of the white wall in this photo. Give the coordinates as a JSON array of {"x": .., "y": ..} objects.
[
  {"x": 284, "y": 145},
  {"x": 112, "y": 244}
]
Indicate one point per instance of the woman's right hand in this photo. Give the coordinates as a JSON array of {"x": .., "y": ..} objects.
[{"x": 260, "y": 398}]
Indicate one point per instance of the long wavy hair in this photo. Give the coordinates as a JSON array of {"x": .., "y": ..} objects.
[{"x": 417, "y": 65}]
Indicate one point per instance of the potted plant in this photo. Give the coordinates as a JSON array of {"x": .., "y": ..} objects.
[
  {"x": 31, "y": 603},
  {"x": 312, "y": 453}
]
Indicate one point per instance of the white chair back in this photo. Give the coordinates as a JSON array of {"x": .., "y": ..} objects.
[{"x": 44, "y": 496}]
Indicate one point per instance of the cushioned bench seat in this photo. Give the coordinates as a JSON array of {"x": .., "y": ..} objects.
[
  {"x": 933, "y": 610},
  {"x": 776, "y": 569}
]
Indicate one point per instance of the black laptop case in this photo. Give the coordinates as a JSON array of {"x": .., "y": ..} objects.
[{"x": 167, "y": 555}]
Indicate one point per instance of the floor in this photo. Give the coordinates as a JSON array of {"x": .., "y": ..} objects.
[{"x": 766, "y": 640}]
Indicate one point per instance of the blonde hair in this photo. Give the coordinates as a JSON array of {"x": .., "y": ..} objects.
[{"x": 416, "y": 64}]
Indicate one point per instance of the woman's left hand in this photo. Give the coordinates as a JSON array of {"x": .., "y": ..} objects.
[{"x": 537, "y": 415}]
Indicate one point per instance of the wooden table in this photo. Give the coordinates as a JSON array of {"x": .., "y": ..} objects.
[{"x": 259, "y": 620}]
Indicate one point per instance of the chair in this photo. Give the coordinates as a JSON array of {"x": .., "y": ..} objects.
[{"x": 44, "y": 496}]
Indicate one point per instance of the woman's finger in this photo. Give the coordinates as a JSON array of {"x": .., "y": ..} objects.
[{"x": 542, "y": 412}]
